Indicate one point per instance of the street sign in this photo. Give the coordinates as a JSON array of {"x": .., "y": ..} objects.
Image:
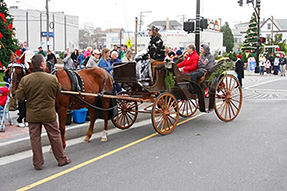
[
  {"x": 129, "y": 43},
  {"x": 44, "y": 34}
]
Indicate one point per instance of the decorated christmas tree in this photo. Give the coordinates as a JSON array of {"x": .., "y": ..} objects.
[
  {"x": 8, "y": 42},
  {"x": 251, "y": 37}
]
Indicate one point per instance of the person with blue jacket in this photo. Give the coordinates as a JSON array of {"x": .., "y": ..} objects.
[{"x": 105, "y": 61}]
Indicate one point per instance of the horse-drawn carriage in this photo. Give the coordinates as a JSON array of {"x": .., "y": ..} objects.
[
  {"x": 222, "y": 93},
  {"x": 167, "y": 101}
]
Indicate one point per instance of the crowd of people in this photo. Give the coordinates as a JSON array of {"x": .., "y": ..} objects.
[{"x": 275, "y": 64}]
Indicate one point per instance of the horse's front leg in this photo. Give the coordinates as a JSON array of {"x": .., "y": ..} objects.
[
  {"x": 106, "y": 104},
  {"x": 93, "y": 116}
]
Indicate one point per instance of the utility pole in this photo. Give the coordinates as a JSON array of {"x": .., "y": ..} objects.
[
  {"x": 47, "y": 15},
  {"x": 197, "y": 30},
  {"x": 182, "y": 18},
  {"x": 27, "y": 28},
  {"x": 40, "y": 27},
  {"x": 136, "y": 36}
]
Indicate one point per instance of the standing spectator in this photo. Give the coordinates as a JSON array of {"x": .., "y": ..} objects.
[
  {"x": 22, "y": 48},
  {"x": 282, "y": 62},
  {"x": 179, "y": 56},
  {"x": 271, "y": 59},
  {"x": 51, "y": 60},
  {"x": 171, "y": 55},
  {"x": 94, "y": 59},
  {"x": 116, "y": 50},
  {"x": 155, "y": 48},
  {"x": 40, "y": 90},
  {"x": 262, "y": 61},
  {"x": 123, "y": 51},
  {"x": 68, "y": 62},
  {"x": 268, "y": 66},
  {"x": 75, "y": 55},
  {"x": 105, "y": 62},
  {"x": 114, "y": 58},
  {"x": 128, "y": 56},
  {"x": 81, "y": 58},
  {"x": 239, "y": 69},
  {"x": 41, "y": 51},
  {"x": 189, "y": 65},
  {"x": 276, "y": 64}
]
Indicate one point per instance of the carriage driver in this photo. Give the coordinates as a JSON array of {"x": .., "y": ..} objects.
[
  {"x": 40, "y": 90},
  {"x": 205, "y": 62},
  {"x": 155, "y": 48}
]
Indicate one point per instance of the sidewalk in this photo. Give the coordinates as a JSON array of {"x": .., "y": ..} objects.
[{"x": 16, "y": 139}]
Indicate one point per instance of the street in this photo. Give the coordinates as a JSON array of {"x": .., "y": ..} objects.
[{"x": 203, "y": 153}]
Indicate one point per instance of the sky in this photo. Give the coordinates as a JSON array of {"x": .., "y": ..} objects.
[{"x": 121, "y": 13}]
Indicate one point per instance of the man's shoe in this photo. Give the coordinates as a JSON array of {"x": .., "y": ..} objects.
[
  {"x": 38, "y": 167},
  {"x": 22, "y": 125},
  {"x": 67, "y": 161}
]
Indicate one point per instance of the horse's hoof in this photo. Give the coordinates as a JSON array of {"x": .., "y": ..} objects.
[
  {"x": 85, "y": 141},
  {"x": 103, "y": 139}
]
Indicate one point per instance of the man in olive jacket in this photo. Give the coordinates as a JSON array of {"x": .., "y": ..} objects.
[{"x": 40, "y": 89}]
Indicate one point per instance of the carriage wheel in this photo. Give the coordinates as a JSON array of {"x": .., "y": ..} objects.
[
  {"x": 127, "y": 113},
  {"x": 164, "y": 113},
  {"x": 187, "y": 107},
  {"x": 228, "y": 98}
]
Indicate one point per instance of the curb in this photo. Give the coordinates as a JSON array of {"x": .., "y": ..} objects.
[{"x": 23, "y": 144}]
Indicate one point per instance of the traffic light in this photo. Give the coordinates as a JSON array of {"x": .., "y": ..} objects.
[
  {"x": 240, "y": 2},
  {"x": 188, "y": 26},
  {"x": 262, "y": 40},
  {"x": 258, "y": 3}
]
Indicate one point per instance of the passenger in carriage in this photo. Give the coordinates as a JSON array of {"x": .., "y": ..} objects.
[
  {"x": 155, "y": 48},
  {"x": 206, "y": 61},
  {"x": 189, "y": 65}
]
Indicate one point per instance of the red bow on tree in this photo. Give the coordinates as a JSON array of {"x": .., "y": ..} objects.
[
  {"x": 1, "y": 35},
  {"x": 10, "y": 26},
  {"x": 3, "y": 17}
]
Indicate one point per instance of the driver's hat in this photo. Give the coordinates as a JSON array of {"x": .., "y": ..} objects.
[{"x": 154, "y": 28}]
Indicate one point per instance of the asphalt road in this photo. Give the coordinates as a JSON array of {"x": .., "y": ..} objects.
[{"x": 204, "y": 153}]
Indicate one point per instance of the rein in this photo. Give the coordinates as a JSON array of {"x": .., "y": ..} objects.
[{"x": 91, "y": 105}]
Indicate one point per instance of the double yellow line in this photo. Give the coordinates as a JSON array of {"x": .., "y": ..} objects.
[{"x": 96, "y": 159}]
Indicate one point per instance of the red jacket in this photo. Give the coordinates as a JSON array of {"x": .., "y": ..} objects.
[
  {"x": 4, "y": 91},
  {"x": 190, "y": 63}
]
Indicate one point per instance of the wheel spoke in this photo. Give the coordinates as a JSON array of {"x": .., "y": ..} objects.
[
  {"x": 232, "y": 110},
  {"x": 234, "y": 105},
  {"x": 238, "y": 101},
  {"x": 221, "y": 105}
]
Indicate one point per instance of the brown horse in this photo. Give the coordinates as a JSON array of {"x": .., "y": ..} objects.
[{"x": 95, "y": 80}]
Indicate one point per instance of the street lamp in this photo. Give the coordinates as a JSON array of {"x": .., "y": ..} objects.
[{"x": 141, "y": 15}]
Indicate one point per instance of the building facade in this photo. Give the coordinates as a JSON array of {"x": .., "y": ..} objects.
[{"x": 31, "y": 29}]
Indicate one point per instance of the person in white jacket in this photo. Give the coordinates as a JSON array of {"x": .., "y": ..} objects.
[{"x": 262, "y": 61}]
